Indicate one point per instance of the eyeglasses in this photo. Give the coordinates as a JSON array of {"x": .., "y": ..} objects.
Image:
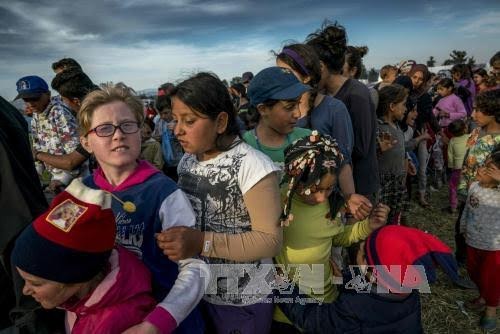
[{"x": 107, "y": 130}]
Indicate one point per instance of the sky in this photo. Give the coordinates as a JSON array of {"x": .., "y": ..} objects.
[{"x": 147, "y": 43}]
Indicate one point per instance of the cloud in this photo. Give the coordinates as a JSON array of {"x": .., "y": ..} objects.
[
  {"x": 212, "y": 7},
  {"x": 483, "y": 23}
]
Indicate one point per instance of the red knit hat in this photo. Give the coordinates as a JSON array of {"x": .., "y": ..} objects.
[
  {"x": 405, "y": 248},
  {"x": 71, "y": 241}
]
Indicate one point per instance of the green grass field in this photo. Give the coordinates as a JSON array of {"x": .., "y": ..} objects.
[{"x": 440, "y": 311}]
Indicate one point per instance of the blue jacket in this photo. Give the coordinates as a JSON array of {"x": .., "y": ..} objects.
[{"x": 159, "y": 206}]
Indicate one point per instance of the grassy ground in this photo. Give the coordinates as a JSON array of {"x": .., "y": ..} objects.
[{"x": 440, "y": 311}]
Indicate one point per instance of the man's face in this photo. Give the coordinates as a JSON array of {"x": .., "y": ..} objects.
[{"x": 37, "y": 104}]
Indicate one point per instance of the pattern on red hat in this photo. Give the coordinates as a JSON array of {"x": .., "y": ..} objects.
[{"x": 79, "y": 218}]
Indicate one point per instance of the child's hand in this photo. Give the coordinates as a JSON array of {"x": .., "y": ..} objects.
[
  {"x": 412, "y": 170},
  {"x": 359, "y": 206},
  {"x": 378, "y": 217},
  {"x": 444, "y": 114},
  {"x": 423, "y": 134},
  {"x": 493, "y": 172},
  {"x": 180, "y": 242},
  {"x": 386, "y": 141}
]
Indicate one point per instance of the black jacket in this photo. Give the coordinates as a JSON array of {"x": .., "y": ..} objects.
[
  {"x": 21, "y": 195},
  {"x": 357, "y": 312}
]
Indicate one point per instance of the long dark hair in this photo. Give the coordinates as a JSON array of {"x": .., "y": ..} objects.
[
  {"x": 206, "y": 94},
  {"x": 307, "y": 64},
  {"x": 330, "y": 43}
]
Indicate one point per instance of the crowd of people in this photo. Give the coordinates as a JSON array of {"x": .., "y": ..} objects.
[{"x": 196, "y": 213}]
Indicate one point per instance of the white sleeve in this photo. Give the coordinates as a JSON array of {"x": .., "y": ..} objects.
[
  {"x": 188, "y": 289},
  {"x": 176, "y": 210},
  {"x": 255, "y": 166}
]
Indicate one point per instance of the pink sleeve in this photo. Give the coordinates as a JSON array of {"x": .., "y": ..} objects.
[
  {"x": 162, "y": 320},
  {"x": 458, "y": 110}
]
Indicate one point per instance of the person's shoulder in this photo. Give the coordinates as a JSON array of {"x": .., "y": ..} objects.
[
  {"x": 157, "y": 184},
  {"x": 300, "y": 132},
  {"x": 250, "y": 152},
  {"x": 357, "y": 85},
  {"x": 333, "y": 103},
  {"x": 57, "y": 106},
  {"x": 249, "y": 137},
  {"x": 462, "y": 139}
]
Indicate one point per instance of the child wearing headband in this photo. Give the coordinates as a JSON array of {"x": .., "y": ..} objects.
[{"x": 312, "y": 226}]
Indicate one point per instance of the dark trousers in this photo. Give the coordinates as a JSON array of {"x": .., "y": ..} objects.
[{"x": 460, "y": 246}]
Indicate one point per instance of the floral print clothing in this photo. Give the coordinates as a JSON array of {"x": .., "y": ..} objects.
[
  {"x": 479, "y": 146},
  {"x": 55, "y": 131}
]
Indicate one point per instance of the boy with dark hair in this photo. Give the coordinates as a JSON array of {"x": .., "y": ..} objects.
[
  {"x": 65, "y": 64},
  {"x": 53, "y": 125},
  {"x": 73, "y": 85}
]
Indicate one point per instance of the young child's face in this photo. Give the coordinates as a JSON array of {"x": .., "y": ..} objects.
[
  {"x": 391, "y": 76},
  {"x": 455, "y": 76},
  {"x": 118, "y": 151},
  {"x": 322, "y": 191},
  {"x": 166, "y": 115},
  {"x": 397, "y": 110},
  {"x": 412, "y": 115},
  {"x": 282, "y": 117},
  {"x": 196, "y": 133},
  {"x": 49, "y": 294},
  {"x": 146, "y": 132},
  {"x": 444, "y": 91}
]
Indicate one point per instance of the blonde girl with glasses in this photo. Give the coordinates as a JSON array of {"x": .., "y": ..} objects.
[{"x": 145, "y": 202}]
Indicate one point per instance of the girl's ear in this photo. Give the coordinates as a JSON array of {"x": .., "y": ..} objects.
[
  {"x": 307, "y": 79},
  {"x": 391, "y": 107},
  {"x": 353, "y": 70},
  {"x": 222, "y": 121},
  {"x": 85, "y": 143}
]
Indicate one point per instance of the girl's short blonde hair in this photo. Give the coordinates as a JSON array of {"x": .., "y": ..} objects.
[{"x": 108, "y": 94}]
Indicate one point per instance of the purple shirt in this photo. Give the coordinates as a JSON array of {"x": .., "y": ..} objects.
[{"x": 451, "y": 104}]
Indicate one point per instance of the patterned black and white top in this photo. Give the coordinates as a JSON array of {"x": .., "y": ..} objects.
[{"x": 215, "y": 188}]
